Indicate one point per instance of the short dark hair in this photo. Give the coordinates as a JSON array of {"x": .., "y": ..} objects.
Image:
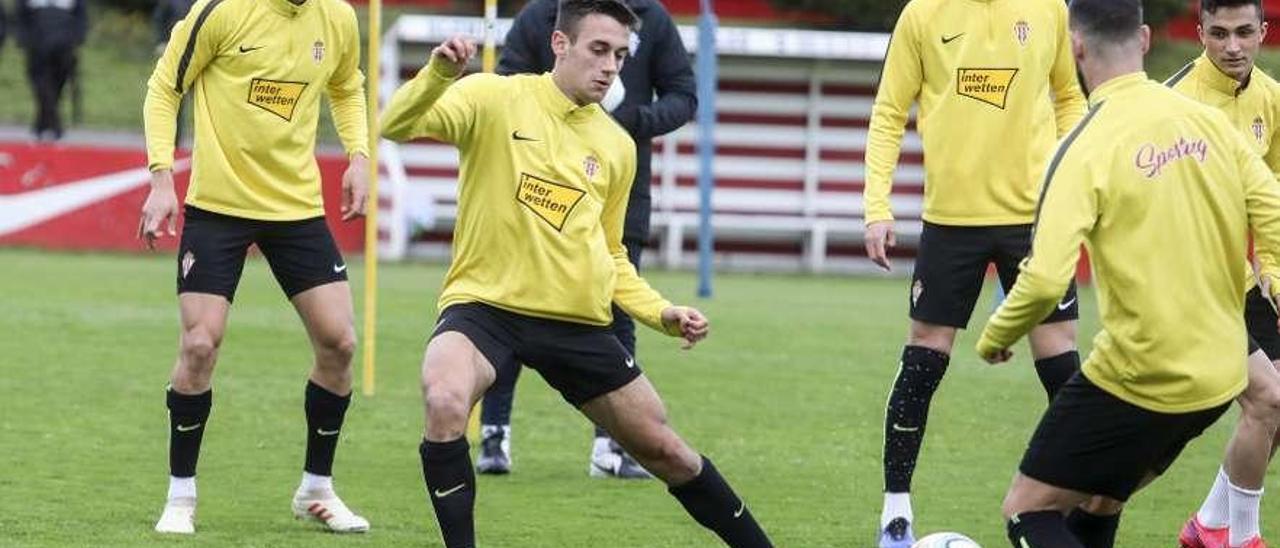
[
  {"x": 1212, "y": 6},
  {"x": 1112, "y": 21},
  {"x": 571, "y": 12}
]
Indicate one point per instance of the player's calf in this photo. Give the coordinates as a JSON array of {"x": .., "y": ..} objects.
[
  {"x": 713, "y": 504},
  {"x": 451, "y": 488}
]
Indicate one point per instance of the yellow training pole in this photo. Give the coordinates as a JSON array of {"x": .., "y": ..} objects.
[
  {"x": 489, "y": 58},
  {"x": 371, "y": 206},
  {"x": 488, "y": 61}
]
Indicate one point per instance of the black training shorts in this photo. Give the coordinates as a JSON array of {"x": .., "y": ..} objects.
[
  {"x": 952, "y": 263},
  {"x": 1093, "y": 442},
  {"x": 580, "y": 361},
  {"x": 1260, "y": 319},
  {"x": 302, "y": 254}
]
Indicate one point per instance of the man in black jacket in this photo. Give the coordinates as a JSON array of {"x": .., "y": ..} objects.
[
  {"x": 50, "y": 31},
  {"x": 166, "y": 15},
  {"x": 3, "y": 24},
  {"x": 163, "y": 18},
  {"x": 658, "y": 64}
]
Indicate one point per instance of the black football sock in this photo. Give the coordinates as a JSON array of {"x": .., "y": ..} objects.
[
  {"x": 187, "y": 417},
  {"x": 1057, "y": 370},
  {"x": 325, "y": 412},
  {"x": 451, "y": 486},
  {"x": 714, "y": 505},
  {"x": 1093, "y": 530},
  {"x": 919, "y": 375},
  {"x": 1045, "y": 529}
]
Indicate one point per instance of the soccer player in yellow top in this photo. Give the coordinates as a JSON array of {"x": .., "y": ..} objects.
[
  {"x": 1149, "y": 178},
  {"x": 1225, "y": 77},
  {"x": 996, "y": 87},
  {"x": 257, "y": 69},
  {"x": 538, "y": 259}
]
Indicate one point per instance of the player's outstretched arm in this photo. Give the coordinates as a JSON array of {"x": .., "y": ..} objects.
[
  {"x": 689, "y": 322},
  {"x": 413, "y": 111},
  {"x": 160, "y": 209}
]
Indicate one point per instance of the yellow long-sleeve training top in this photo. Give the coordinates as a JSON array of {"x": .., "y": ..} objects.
[
  {"x": 542, "y": 196},
  {"x": 1254, "y": 109},
  {"x": 1163, "y": 191},
  {"x": 257, "y": 69},
  {"x": 993, "y": 79}
]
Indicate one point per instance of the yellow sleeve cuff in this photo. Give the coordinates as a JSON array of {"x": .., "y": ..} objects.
[{"x": 986, "y": 346}]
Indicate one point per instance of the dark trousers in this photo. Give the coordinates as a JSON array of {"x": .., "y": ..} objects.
[
  {"x": 498, "y": 400},
  {"x": 48, "y": 70}
]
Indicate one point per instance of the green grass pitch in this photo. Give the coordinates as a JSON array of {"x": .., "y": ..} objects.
[{"x": 786, "y": 396}]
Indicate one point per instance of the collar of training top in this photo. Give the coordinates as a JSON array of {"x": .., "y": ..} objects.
[
  {"x": 554, "y": 100},
  {"x": 1219, "y": 81},
  {"x": 1115, "y": 86},
  {"x": 289, "y": 9}
]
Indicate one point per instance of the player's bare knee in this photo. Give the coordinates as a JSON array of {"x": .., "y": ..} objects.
[
  {"x": 1102, "y": 506},
  {"x": 680, "y": 460},
  {"x": 935, "y": 337},
  {"x": 1053, "y": 339},
  {"x": 446, "y": 405},
  {"x": 199, "y": 348},
  {"x": 338, "y": 349},
  {"x": 1011, "y": 505},
  {"x": 1262, "y": 404}
]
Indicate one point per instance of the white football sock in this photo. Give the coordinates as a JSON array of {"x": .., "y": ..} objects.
[
  {"x": 1244, "y": 513},
  {"x": 896, "y": 505},
  {"x": 1215, "y": 511},
  {"x": 182, "y": 487},
  {"x": 312, "y": 483}
]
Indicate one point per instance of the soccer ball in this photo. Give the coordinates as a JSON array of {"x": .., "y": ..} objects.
[{"x": 945, "y": 540}]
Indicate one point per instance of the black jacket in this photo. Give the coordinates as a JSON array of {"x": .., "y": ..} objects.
[
  {"x": 51, "y": 24},
  {"x": 658, "y": 64},
  {"x": 166, "y": 15}
]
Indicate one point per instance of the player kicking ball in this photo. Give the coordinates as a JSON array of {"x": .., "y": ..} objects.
[{"x": 538, "y": 260}]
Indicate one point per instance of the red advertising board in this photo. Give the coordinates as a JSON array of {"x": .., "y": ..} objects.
[{"x": 80, "y": 197}]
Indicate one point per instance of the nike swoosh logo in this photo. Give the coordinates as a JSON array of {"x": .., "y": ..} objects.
[
  {"x": 1066, "y": 305},
  {"x": 517, "y": 136},
  {"x": 905, "y": 429},
  {"x": 26, "y": 209},
  {"x": 324, "y": 432},
  {"x": 949, "y": 39},
  {"x": 631, "y": 362},
  {"x": 249, "y": 49},
  {"x": 182, "y": 428},
  {"x": 442, "y": 494},
  {"x": 338, "y": 268},
  {"x": 741, "y": 509}
]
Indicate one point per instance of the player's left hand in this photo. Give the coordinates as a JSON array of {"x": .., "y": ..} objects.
[
  {"x": 693, "y": 325},
  {"x": 355, "y": 187}
]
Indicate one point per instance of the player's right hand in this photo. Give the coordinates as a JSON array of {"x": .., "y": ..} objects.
[
  {"x": 454, "y": 54},
  {"x": 161, "y": 206},
  {"x": 692, "y": 325},
  {"x": 879, "y": 235}
]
